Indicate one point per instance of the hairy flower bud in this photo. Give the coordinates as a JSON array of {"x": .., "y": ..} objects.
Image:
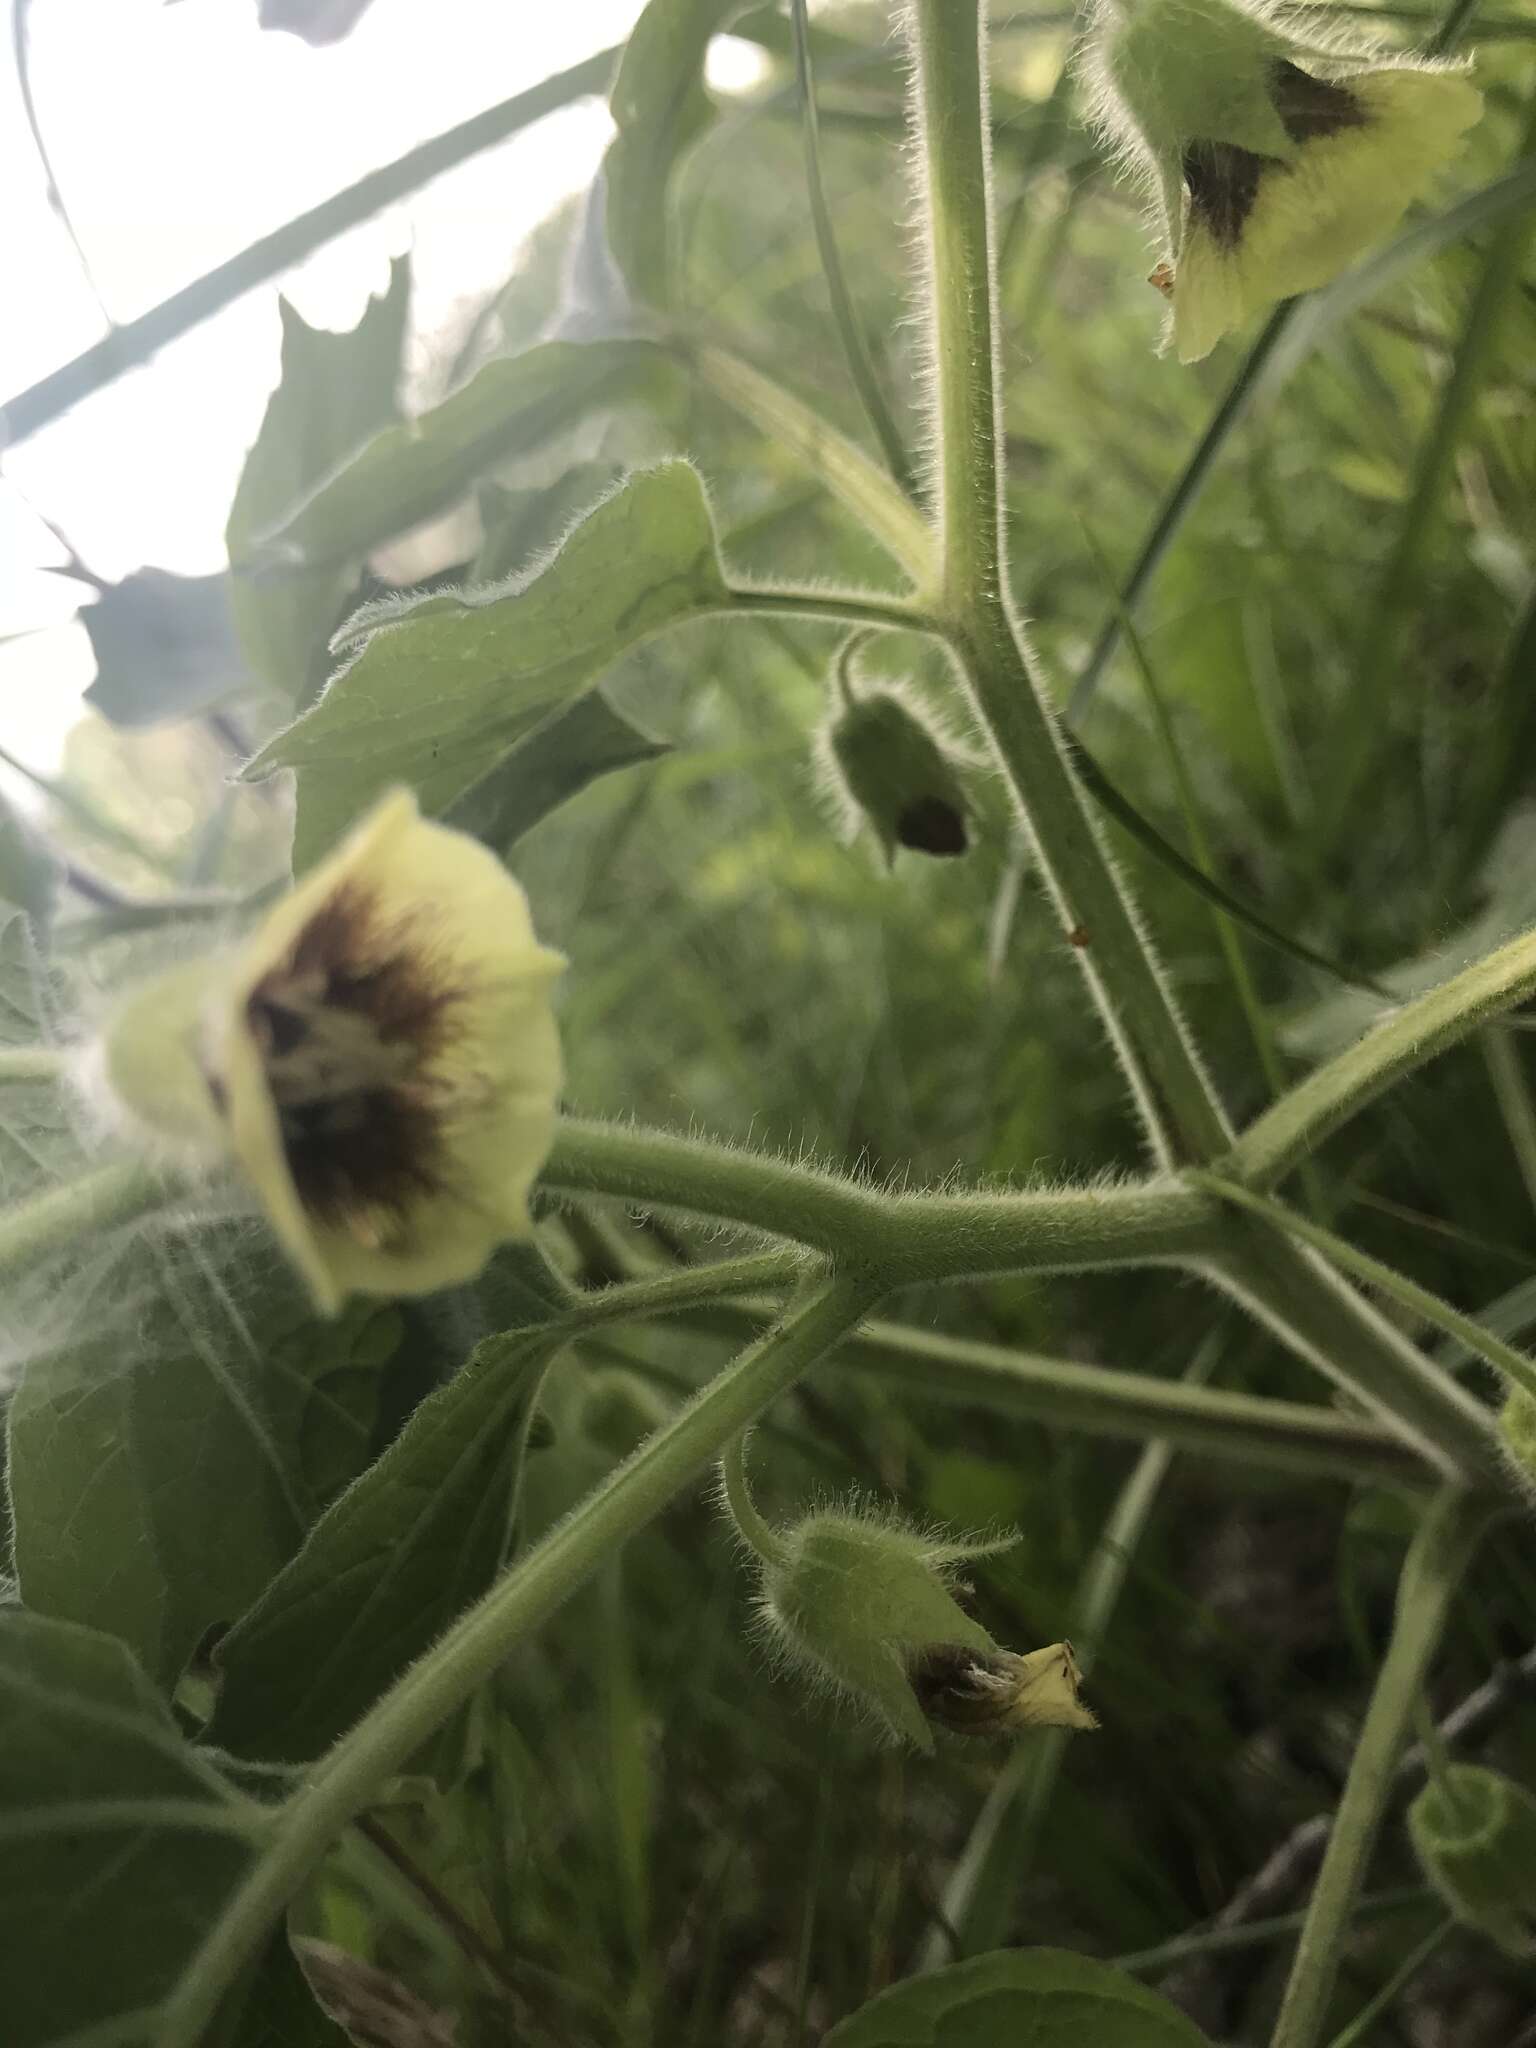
[
  {"x": 895, "y": 774},
  {"x": 866, "y": 1604},
  {"x": 1275, "y": 161},
  {"x": 379, "y": 1059},
  {"x": 1475, "y": 1835}
]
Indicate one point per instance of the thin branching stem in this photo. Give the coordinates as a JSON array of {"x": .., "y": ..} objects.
[
  {"x": 1182, "y": 1117},
  {"x": 1436, "y": 1561}
]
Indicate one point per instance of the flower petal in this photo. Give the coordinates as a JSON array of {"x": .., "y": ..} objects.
[
  {"x": 398, "y": 995},
  {"x": 1312, "y": 217}
]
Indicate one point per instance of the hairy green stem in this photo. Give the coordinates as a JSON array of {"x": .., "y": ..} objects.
[
  {"x": 1437, "y": 1558},
  {"x": 351, "y": 1775},
  {"x": 1283, "y": 1436},
  {"x": 1317, "y": 1315},
  {"x": 910, "y": 1237},
  {"x": 760, "y": 1537},
  {"x": 1420, "y": 1301},
  {"x": 42, "y": 1226},
  {"x": 1407, "y": 1038},
  {"x": 851, "y": 607},
  {"x": 1183, "y": 1118},
  {"x": 664, "y": 1294}
]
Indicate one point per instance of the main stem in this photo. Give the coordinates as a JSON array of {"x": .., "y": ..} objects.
[
  {"x": 1183, "y": 1118},
  {"x": 1436, "y": 1560},
  {"x": 349, "y": 1778}
]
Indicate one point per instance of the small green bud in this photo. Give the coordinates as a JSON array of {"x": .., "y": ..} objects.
[
  {"x": 896, "y": 774},
  {"x": 1475, "y": 1835},
  {"x": 866, "y": 1604}
]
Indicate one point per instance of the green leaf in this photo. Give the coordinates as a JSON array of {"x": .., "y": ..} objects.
[
  {"x": 443, "y": 689},
  {"x": 165, "y": 648},
  {"x": 157, "y": 1471},
  {"x": 521, "y": 524},
  {"x": 119, "y": 1844},
  {"x": 335, "y": 391},
  {"x": 409, "y": 472},
  {"x": 388, "y": 1567},
  {"x": 29, "y": 874},
  {"x": 659, "y": 106},
  {"x": 1045, "y": 1997},
  {"x": 552, "y": 765}
]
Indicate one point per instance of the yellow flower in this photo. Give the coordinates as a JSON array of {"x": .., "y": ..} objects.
[
  {"x": 379, "y": 1059},
  {"x": 1000, "y": 1693},
  {"x": 386, "y": 1060},
  {"x": 1258, "y": 229},
  {"x": 1274, "y": 162}
]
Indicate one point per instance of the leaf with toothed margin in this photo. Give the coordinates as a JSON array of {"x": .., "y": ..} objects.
[
  {"x": 335, "y": 396},
  {"x": 439, "y": 692},
  {"x": 411, "y": 471}
]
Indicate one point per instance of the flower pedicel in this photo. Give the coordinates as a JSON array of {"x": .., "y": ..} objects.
[{"x": 379, "y": 1059}]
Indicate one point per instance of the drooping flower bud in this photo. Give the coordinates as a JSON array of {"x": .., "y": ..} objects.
[
  {"x": 865, "y": 1604},
  {"x": 1275, "y": 161},
  {"x": 379, "y": 1059},
  {"x": 1475, "y": 1835},
  {"x": 896, "y": 775}
]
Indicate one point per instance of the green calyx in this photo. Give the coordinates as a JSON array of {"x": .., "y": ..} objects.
[
  {"x": 151, "y": 1059},
  {"x": 1191, "y": 71},
  {"x": 897, "y": 775},
  {"x": 1474, "y": 1832},
  {"x": 863, "y": 1601}
]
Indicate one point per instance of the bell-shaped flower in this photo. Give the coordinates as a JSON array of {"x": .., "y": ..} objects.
[
  {"x": 379, "y": 1059},
  {"x": 1275, "y": 161}
]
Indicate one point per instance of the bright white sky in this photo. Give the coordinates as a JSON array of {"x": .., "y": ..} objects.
[{"x": 180, "y": 132}]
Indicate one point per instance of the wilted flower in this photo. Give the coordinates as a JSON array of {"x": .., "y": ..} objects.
[
  {"x": 1276, "y": 160},
  {"x": 976, "y": 1693},
  {"x": 379, "y": 1059},
  {"x": 866, "y": 1604}
]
